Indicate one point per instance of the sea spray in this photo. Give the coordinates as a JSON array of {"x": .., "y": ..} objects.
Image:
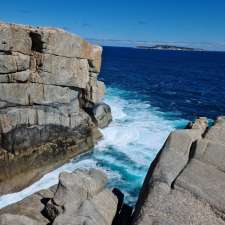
[{"x": 130, "y": 144}]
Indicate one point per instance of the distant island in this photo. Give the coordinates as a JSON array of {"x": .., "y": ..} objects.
[{"x": 169, "y": 47}]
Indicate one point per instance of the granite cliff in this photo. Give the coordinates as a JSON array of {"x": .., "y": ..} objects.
[
  {"x": 50, "y": 101},
  {"x": 186, "y": 182}
]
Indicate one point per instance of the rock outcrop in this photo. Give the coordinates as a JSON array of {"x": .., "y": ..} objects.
[
  {"x": 49, "y": 94},
  {"x": 80, "y": 198},
  {"x": 186, "y": 182}
]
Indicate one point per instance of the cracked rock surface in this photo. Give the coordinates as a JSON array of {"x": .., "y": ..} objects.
[
  {"x": 48, "y": 80},
  {"x": 79, "y": 198},
  {"x": 186, "y": 182}
]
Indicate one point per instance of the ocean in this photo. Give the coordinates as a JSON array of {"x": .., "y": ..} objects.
[{"x": 151, "y": 93}]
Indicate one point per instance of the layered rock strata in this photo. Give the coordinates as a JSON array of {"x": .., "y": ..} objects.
[
  {"x": 49, "y": 94},
  {"x": 186, "y": 182},
  {"x": 80, "y": 198}
]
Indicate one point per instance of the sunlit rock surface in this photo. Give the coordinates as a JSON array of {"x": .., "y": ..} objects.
[
  {"x": 186, "y": 182},
  {"x": 80, "y": 198},
  {"x": 48, "y": 80}
]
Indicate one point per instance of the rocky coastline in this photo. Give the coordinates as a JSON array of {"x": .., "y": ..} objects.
[
  {"x": 50, "y": 101},
  {"x": 79, "y": 198},
  {"x": 51, "y": 110},
  {"x": 185, "y": 183}
]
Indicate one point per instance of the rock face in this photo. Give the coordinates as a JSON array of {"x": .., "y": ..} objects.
[
  {"x": 48, "y": 84},
  {"x": 101, "y": 114},
  {"x": 80, "y": 198},
  {"x": 16, "y": 220},
  {"x": 186, "y": 182}
]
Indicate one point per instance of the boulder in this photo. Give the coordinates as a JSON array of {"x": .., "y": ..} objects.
[
  {"x": 102, "y": 115},
  {"x": 84, "y": 199},
  {"x": 76, "y": 187},
  {"x": 31, "y": 207},
  {"x": 99, "y": 210},
  {"x": 200, "y": 123},
  {"x": 79, "y": 198}
]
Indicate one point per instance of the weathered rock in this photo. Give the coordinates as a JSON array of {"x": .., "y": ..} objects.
[
  {"x": 216, "y": 133},
  {"x": 76, "y": 187},
  {"x": 205, "y": 182},
  {"x": 39, "y": 94},
  {"x": 48, "y": 77},
  {"x": 185, "y": 183},
  {"x": 80, "y": 198},
  {"x": 176, "y": 207},
  {"x": 9, "y": 219},
  {"x": 95, "y": 90},
  {"x": 15, "y": 38},
  {"x": 83, "y": 199},
  {"x": 22, "y": 76},
  {"x": 13, "y": 63},
  {"x": 200, "y": 123},
  {"x": 175, "y": 155},
  {"x": 102, "y": 115},
  {"x": 63, "y": 71},
  {"x": 31, "y": 207},
  {"x": 99, "y": 210},
  {"x": 211, "y": 152},
  {"x": 43, "y": 158}
]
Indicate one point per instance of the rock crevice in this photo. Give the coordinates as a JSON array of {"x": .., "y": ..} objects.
[
  {"x": 48, "y": 78},
  {"x": 185, "y": 183}
]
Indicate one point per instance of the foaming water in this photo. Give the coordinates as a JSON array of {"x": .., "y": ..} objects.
[{"x": 130, "y": 144}]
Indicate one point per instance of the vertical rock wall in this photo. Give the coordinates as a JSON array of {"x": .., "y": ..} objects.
[{"x": 48, "y": 80}]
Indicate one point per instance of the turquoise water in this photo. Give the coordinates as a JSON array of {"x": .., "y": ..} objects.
[
  {"x": 150, "y": 93},
  {"x": 129, "y": 145}
]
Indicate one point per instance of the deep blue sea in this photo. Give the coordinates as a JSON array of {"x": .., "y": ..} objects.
[{"x": 151, "y": 93}]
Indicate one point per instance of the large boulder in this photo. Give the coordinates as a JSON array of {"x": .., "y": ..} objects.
[
  {"x": 102, "y": 115},
  {"x": 76, "y": 187},
  {"x": 81, "y": 198}
]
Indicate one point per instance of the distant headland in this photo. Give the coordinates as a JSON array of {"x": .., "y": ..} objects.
[{"x": 170, "y": 47}]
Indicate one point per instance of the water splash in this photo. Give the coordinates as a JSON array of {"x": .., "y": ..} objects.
[{"x": 130, "y": 144}]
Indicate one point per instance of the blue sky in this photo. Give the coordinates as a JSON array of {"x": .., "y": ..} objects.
[{"x": 197, "y": 23}]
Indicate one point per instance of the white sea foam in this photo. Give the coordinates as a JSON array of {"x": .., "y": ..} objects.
[{"x": 130, "y": 144}]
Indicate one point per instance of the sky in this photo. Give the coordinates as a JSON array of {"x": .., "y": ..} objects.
[{"x": 194, "y": 23}]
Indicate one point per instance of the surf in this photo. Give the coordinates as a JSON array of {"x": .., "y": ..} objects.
[{"x": 130, "y": 143}]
